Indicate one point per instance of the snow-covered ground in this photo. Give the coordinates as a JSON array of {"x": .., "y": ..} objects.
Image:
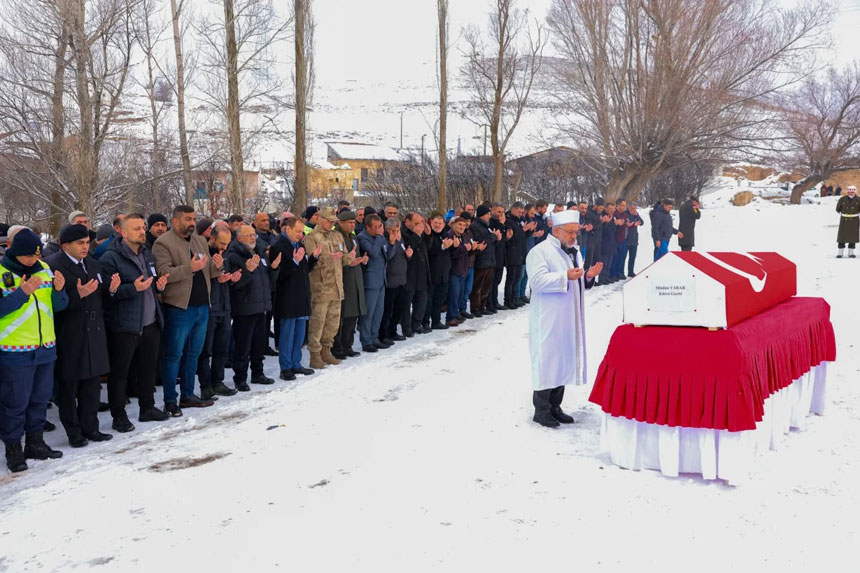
[{"x": 424, "y": 457}]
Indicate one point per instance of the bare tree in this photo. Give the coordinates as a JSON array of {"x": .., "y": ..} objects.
[
  {"x": 442, "y": 145},
  {"x": 176, "y": 15},
  {"x": 648, "y": 85},
  {"x": 822, "y": 120},
  {"x": 499, "y": 72},
  {"x": 304, "y": 81}
]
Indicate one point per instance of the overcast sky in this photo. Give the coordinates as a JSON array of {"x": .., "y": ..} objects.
[{"x": 396, "y": 39}]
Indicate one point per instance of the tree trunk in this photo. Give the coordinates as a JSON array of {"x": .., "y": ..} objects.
[
  {"x": 237, "y": 167},
  {"x": 443, "y": 104},
  {"x": 84, "y": 165},
  {"x": 498, "y": 174},
  {"x": 153, "y": 108},
  {"x": 180, "y": 106},
  {"x": 619, "y": 181},
  {"x": 58, "y": 130},
  {"x": 803, "y": 186},
  {"x": 300, "y": 199},
  {"x": 635, "y": 186}
]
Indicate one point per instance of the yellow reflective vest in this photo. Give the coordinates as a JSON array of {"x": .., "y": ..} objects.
[{"x": 32, "y": 325}]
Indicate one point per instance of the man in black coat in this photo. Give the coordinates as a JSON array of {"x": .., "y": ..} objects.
[
  {"x": 485, "y": 261},
  {"x": 515, "y": 253},
  {"x": 250, "y": 300},
  {"x": 439, "y": 260},
  {"x": 292, "y": 295},
  {"x": 497, "y": 225},
  {"x": 417, "y": 276},
  {"x": 213, "y": 357},
  {"x": 662, "y": 228},
  {"x": 134, "y": 321},
  {"x": 688, "y": 214},
  {"x": 593, "y": 236},
  {"x": 82, "y": 355}
]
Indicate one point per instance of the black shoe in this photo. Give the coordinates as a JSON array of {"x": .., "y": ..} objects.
[
  {"x": 308, "y": 371},
  {"x": 546, "y": 419},
  {"x": 262, "y": 379},
  {"x": 632, "y": 275},
  {"x": 352, "y": 353},
  {"x": 409, "y": 334},
  {"x": 49, "y": 426},
  {"x": 398, "y": 338},
  {"x": 16, "y": 461},
  {"x": 466, "y": 315},
  {"x": 287, "y": 375},
  {"x": 425, "y": 329},
  {"x": 78, "y": 442},
  {"x": 270, "y": 351},
  {"x": 153, "y": 414},
  {"x": 559, "y": 415},
  {"x": 122, "y": 425},
  {"x": 223, "y": 390},
  {"x": 339, "y": 355},
  {"x": 172, "y": 410},
  {"x": 98, "y": 436},
  {"x": 369, "y": 348},
  {"x": 36, "y": 448},
  {"x": 385, "y": 343},
  {"x": 104, "y": 407},
  {"x": 242, "y": 386},
  {"x": 490, "y": 311},
  {"x": 193, "y": 401},
  {"x": 525, "y": 299},
  {"x": 440, "y": 326},
  {"x": 477, "y": 314},
  {"x": 208, "y": 394}
]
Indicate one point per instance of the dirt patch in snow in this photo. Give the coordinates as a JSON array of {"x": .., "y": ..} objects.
[{"x": 185, "y": 463}]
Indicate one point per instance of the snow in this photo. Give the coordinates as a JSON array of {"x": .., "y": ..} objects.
[
  {"x": 424, "y": 458},
  {"x": 358, "y": 151}
]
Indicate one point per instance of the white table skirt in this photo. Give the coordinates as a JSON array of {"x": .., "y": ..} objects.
[{"x": 713, "y": 453}]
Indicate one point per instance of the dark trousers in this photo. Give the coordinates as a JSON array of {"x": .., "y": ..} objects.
[
  {"x": 481, "y": 289},
  {"x": 493, "y": 301},
  {"x": 592, "y": 254},
  {"x": 512, "y": 278},
  {"x": 412, "y": 313},
  {"x": 141, "y": 351},
  {"x": 250, "y": 338},
  {"x": 606, "y": 258},
  {"x": 850, "y": 245},
  {"x": 210, "y": 365},
  {"x": 345, "y": 337},
  {"x": 437, "y": 296},
  {"x": 617, "y": 270},
  {"x": 78, "y": 403},
  {"x": 24, "y": 394},
  {"x": 631, "y": 258},
  {"x": 546, "y": 400},
  {"x": 686, "y": 247},
  {"x": 391, "y": 312}
]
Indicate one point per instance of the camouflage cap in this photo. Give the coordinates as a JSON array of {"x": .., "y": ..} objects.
[{"x": 328, "y": 214}]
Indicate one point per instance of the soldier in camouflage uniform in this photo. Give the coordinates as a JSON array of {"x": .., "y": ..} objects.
[{"x": 326, "y": 287}]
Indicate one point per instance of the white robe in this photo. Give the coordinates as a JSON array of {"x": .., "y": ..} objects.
[{"x": 556, "y": 318}]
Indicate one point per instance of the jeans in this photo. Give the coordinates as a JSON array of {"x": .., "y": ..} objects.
[
  {"x": 292, "y": 334},
  {"x": 368, "y": 325},
  {"x": 467, "y": 289},
  {"x": 520, "y": 289},
  {"x": 24, "y": 394},
  {"x": 617, "y": 270},
  {"x": 631, "y": 259},
  {"x": 606, "y": 257},
  {"x": 455, "y": 291},
  {"x": 184, "y": 335},
  {"x": 210, "y": 365}
]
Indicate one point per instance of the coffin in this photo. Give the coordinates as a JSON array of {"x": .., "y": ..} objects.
[{"x": 713, "y": 290}]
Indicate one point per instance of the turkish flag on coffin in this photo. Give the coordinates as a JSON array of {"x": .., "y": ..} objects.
[{"x": 715, "y": 290}]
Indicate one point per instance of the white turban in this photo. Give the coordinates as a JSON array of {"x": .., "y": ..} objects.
[{"x": 565, "y": 217}]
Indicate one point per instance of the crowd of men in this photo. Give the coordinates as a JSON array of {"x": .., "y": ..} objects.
[{"x": 180, "y": 301}]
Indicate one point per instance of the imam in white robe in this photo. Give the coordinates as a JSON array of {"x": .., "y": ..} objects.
[{"x": 556, "y": 317}]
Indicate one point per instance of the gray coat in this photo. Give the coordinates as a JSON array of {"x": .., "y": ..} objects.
[
  {"x": 395, "y": 273},
  {"x": 353, "y": 283},
  {"x": 376, "y": 249}
]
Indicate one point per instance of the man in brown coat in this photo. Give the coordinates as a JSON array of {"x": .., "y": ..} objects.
[
  {"x": 849, "y": 222},
  {"x": 184, "y": 256},
  {"x": 326, "y": 287}
]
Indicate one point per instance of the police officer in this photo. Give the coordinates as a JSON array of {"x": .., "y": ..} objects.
[{"x": 31, "y": 294}]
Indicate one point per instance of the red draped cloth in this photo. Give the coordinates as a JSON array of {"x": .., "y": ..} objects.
[{"x": 696, "y": 378}]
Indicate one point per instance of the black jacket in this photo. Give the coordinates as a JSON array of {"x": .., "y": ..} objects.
[
  {"x": 251, "y": 294},
  {"x": 485, "y": 259},
  {"x": 661, "y": 224},
  {"x": 500, "y": 246},
  {"x": 515, "y": 253},
  {"x": 219, "y": 294},
  {"x": 293, "y": 288},
  {"x": 125, "y": 308},
  {"x": 687, "y": 217},
  {"x": 440, "y": 259},
  {"x": 80, "y": 329},
  {"x": 418, "y": 267}
]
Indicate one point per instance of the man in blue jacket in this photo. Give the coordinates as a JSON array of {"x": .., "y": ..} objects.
[
  {"x": 372, "y": 243},
  {"x": 661, "y": 227}
]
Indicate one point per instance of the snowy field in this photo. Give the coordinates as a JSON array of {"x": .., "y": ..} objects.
[{"x": 424, "y": 458}]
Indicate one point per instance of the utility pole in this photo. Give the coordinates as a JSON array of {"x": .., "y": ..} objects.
[
  {"x": 485, "y": 140},
  {"x": 423, "y": 135},
  {"x": 401, "y": 131}
]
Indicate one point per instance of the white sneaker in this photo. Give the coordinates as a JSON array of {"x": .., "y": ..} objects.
[{"x": 839, "y": 255}]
